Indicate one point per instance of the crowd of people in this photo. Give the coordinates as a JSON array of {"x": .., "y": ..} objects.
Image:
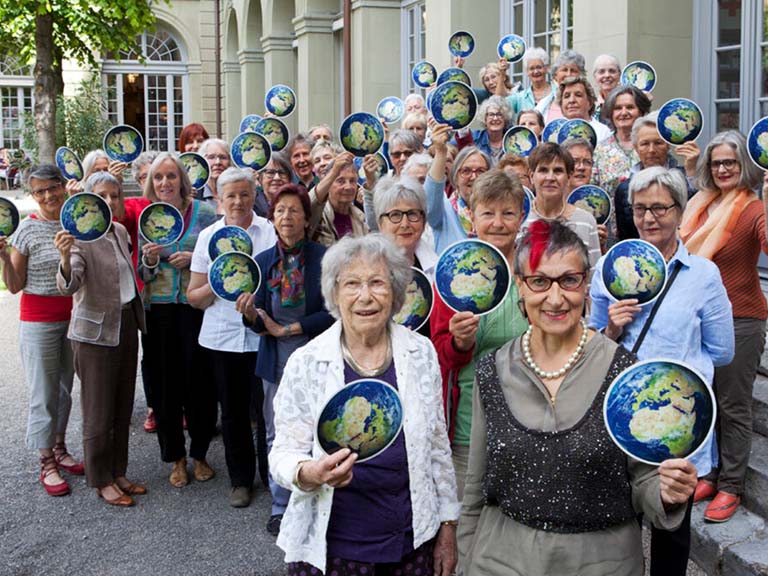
[{"x": 504, "y": 464}]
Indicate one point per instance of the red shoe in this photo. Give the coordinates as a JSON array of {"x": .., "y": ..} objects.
[
  {"x": 184, "y": 421},
  {"x": 722, "y": 507},
  {"x": 705, "y": 490},
  {"x": 150, "y": 426},
  {"x": 60, "y": 452},
  {"x": 48, "y": 467}
]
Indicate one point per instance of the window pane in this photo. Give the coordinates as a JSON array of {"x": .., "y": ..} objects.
[
  {"x": 729, "y": 22},
  {"x": 765, "y": 20},
  {"x": 541, "y": 17},
  {"x": 517, "y": 15},
  {"x": 763, "y": 108},
  {"x": 727, "y": 116},
  {"x": 728, "y": 74},
  {"x": 764, "y": 71}
]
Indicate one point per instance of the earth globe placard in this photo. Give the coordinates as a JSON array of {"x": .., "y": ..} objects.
[
  {"x": 527, "y": 202},
  {"x": 472, "y": 275},
  {"x": 197, "y": 169},
  {"x": 552, "y": 130},
  {"x": 639, "y": 74},
  {"x": 453, "y": 103},
  {"x": 275, "y": 131},
  {"x": 69, "y": 163},
  {"x": 86, "y": 216},
  {"x": 757, "y": 143},
  {"x": 161, "y": 223},
  {"x": 381, "y": 167},
  {"x": 520, "y": 141},
  {"x": 659, "y": 409},
  {"x": 679, "y": 121},
  {"x": 248, "y": 123},
  {"x": 454, "y": 74},
  {"x": 232, "y": 274},
  {"x": 365, "y": 416},
  {"x": 577, "y": 128},
  {"x": 280, "y": 100},
  {"x": 9, "y": 217},
  {"x": 424, "y": 74},
  {"x": 229, "y": 239},
  {"x": 419, "y": 300},
  {"x": 634, "y": 269},
  {"x": 390, "y": 109},
  {"x": 594, "y": 200},
  {"x": 250, "y": 150},
  {"x": 361, "y": 133},
  {"x": 461, "y": 44},
  {"x": 511, "y": 47},
  {"x": 123, "y": 143}
]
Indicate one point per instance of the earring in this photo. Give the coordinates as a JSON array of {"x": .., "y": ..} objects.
[{"x": 521, "y": 306}]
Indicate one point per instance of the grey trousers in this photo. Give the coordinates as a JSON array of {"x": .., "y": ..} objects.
[
  {"x": 733, "y": 389},
  {"x": 460, "y": 457}
]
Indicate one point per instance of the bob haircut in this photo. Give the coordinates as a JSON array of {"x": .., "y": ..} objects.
[
  {"x": 232, "y": 175},
  {"x": 588, "y": 90},
  {"x": 371, "y": 248},
  {"x": 44, "y": 172},
  {"x": 462, "y": 157},
  {"x": 98, "y": 178},
  {"x": 559, "y": 239},
  {"x": 391, "y": 191},
  {"x": 751, "y": 175},
  {"x": 501, "y": 104},
  {"x": 190, "y": 133},
  {"x": 548, "y": 152},
  {"x": 494, "y": 66},
  {"x": 186, "y": 186},
  {"x": 497, "y": 186},
  {"x": 672, "y": 180},
  {"x": 641, "y": 101},
  {"x": 279, "y": 159},
  {"x": 292, "y": 190}
]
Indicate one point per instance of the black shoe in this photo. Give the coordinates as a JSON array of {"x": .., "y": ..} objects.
[{"x": 273, "y": 524}]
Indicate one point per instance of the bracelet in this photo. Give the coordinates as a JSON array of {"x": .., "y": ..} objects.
[
  {"x": 296, "y": 481},
  {"x": 449, "y": 523},
  {"x": 286, "y": 331},
  {"x": 144, "y": 262}
]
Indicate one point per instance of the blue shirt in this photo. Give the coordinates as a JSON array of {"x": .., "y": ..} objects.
[
  {"x": 694, "y": 324},
  {"x": 441, "y": 216}
]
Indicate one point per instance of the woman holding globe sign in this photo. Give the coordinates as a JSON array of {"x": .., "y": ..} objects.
[
  {"x": 398, "y": 508},
  {"x": 543, "y": 472},
  {"x": 698, "y": 331}
]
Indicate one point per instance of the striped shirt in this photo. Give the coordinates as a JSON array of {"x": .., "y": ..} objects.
[{"x": 34, "y": 239}]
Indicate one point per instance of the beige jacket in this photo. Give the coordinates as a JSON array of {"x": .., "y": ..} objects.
[{"x": 321, "y": 228}]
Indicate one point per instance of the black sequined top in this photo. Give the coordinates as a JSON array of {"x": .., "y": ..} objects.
[{"x": 566, "y": 481}]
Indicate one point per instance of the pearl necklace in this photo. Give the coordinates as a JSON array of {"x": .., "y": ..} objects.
[
  {"x": 571, "y": 361},
  {"x": 541, "y": 217}
]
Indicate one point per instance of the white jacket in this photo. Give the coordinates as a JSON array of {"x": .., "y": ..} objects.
[{"x": 312, "y": 375}]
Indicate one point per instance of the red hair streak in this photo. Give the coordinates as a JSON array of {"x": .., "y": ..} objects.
[{"x": 538, "y": 238}]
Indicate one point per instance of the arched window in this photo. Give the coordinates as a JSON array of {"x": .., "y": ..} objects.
[
  {"x": 16, "y": 84},
  {"x": 151, "y": 96}
]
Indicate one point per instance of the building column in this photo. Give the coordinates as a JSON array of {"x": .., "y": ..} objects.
[
  {"x": 279, "y": 68},
  {"x": 232, "y": 108},
  {"x": 252, "y": 81},
  {"x": 318, "y": 93}
]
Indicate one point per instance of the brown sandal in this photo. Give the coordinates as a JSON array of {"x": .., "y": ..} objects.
[{"x": 48, "y": 467}]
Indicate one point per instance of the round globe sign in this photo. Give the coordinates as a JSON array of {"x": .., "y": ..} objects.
[
  {"x": 757, "y": 143},
  {"x": 527, "y": 202},
  {"x": 69, "y": 163},
  {"x": 275, "y": 131},
  {"x": 86, "y": 216},
  {"x": 659, "y": 409},
  {"x": 229, "y": 239},
  {"x": 280, "y": 100},
  {"x": 520, "y": 141},
  {"x": 634, "y": 269},
  {"x": 639, "y": 74},
  {"x": 461, "y": 44},
  {"x": 123, "y": 143},
  {"x": 361, "y": 133},
  {"x": 453, "y": 103},
  {"x": 232, "y": 274},
  {"x": 9, "y": 217},
  {"x": 248, "y": 123},
  {"x": 161, "y": 223},
  {"x": 594, "y": 200},
  {"x": 424, "y": 74},
  {"x": 197, "y": 169},
  {"x": 511, "y": 47},
  {"x": 419, "y": 300},
  {"x": 250, "y": 150},
  {"x": 365, "y": 416},
  {"x": 381, "y": 167},
  {"x": 390, "y": 109},
  {"x": 472, "y": 275},
  {"x": 679, "y": 121},
  {"x": 552, "y": 130},
  {"x": 577, "y": 128},
  {"x": 454, "y": 75}
]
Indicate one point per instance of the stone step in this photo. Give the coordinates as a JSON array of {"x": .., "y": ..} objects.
[
  {"x": 756, "y": 489},
  {"x": 760, "y": 405}
]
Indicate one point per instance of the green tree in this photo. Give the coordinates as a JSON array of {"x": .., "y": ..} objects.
[{"x": 52, "y": 30}]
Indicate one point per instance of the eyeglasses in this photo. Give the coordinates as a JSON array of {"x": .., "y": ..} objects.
[
  {"x": 404, "y": 153},
  {"x": 140, "y": 180},
  {"x": 729, "y": 164},
  {"x": 537, "y": 68},
  {"x": 466, "y": 172},
  {"x": 41, "y": 192},
  {"x": 396, "y": 216},
  {"x": 570, "y": 281},
  {"x": 219, "y": 157},
  {"x": 498, "y": 115},
  {"x": 353, "y": 286},
  {"x": 658, "y": 210},
  {"x": 586, "y": 162},
  {"x": 269, "y": 173}
]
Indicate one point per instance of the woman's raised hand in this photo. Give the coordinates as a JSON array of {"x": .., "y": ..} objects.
[
  {"x": 677, "y": 478},
  {"x": 244, "y": 305},
  {"x": 690, "y": 153},
  {"x": 620, "y": 314},
  {"x": 63, "y": 242},
  {"x": 463, "y": 327},
  {"x": 334, "y": 470},
  {"x": 117, "y": 168}
]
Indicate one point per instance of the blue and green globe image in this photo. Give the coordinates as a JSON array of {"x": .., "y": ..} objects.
[
  {"x": 365, "y": 416},
  {"x": 250, "y": 150},
  {"x": 576, "y": 128},
  {"x": 275, "y": 131},
  {"x": 9, "y": 217},
  {"x": 390, "y": 109},
  {"x": 248, "y": 123},
  {"x": 197, "y": 169},
  {"x": 511, "y": 47},
  {"x": 361, "y": 133},
  {"x": 471, "y": 275},
  {"x": 757, "y": 143},
  {"x": 461, "y": 44},
  {"x": 520, "y": 141},
  {"x": 594, "y": 200},
  {"x": 424, "y": 74},
  {"x": 453, "y": 103},
  {"x": 454, "y": 75},
  {"x": 381, "y": 167},
  {"x": 229, "y": 239},
  {"x": 123, "y": 143},
  {"x": 161, "y": 223},
  {"x": 528, "y": 200},
  {"x": 634, "y": 269},
  {"x": 69, "y": 164},
  {"x": 659, "y": 409},
  {"x": 418, "y": 302},
  {"x": 639, "y": 74},
  {"x": 280, "y": 100},
  {"x": 232, "y": 274},
  {"x": 86, "y": 216},
  {"x": 680, "y": 120},
  {"x": 552, "y": 130}
]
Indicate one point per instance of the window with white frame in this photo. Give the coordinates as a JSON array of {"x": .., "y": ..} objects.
[
  {"x": 16, "y": 84},
  {"x": 414, "y": 41},
  {"x": 546, "y": 24}
]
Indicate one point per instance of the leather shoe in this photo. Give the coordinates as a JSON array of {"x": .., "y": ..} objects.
[
  {"x": 202, "y": 471},
  {"x": 47, "y": 468},
  {"x": 240, "y": 497},
  {"x": 722, "y": 507},
  {"x": 122, "y": 500},
  {"x": 134, "y": 489},
  {"x": 60, "y": 453},
  {"x": 150, "y": 424},
  {"x": 179, "y": 475},
  {"x": 705, "y": 490}
]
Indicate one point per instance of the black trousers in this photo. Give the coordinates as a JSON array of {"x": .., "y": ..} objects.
[
  {"x": 233, "y": 373},
  {"x": 181, "y": 380},
  {"x": 670, "y": 550}
]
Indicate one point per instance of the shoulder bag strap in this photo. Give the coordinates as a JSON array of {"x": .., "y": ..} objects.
[{"x": 656, "y": 305}]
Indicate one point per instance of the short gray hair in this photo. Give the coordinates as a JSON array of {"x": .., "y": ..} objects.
[
  {"x": 501, "y": 104},
  {"x": 643, "y": 122},
  {"x": 672, "y": 180},
  {"x": 144, "y": 159},
  {"x": 102, "y": 178},
  {"x": 610, "y": 57},
  {"x": 90, "y": 159},
  {"x": 371, "y": 247},
  {"x": 45, "y": 172},
  {"x": 203, "y": 150},
  {"x": 422, "y": 159},
  {"x": 751, "y": 175},
  {"x": 573, "y": 142},
  {"x": 462, "y": 156},
  {"x": 569, "y": 57},
  {"x": 390, "y": 191},
  {"x": 405, "y": 137},
  {"x": 232, "y": 175},
  {"x": 535, "y": 53},
  {"x": 414, "y": 96}
]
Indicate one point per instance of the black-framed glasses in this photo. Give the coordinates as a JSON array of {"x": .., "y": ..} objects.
[
  {"x": 658, "y": 210},
  {"x": 569, "y": 281},
  {"x": 396, "y": 216},
  {"x": 728, "y": 164},
  {"x": 52, "y": 189},
  {"x": 270, "y": 173}
]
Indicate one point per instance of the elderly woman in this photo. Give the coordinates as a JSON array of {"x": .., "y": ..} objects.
[
  {"x": 615, "y": 156},
  {"x": 402, "y": 145},
  {"x": 30, "y": 267},
  {"x": 725, "y": 222},
  {"x": 272, "y": 178},
  {"x": 416, "y": 123},
  {"x": 178, "y": 367},
  {"x": 606, "y": 71},
  {"x": 320, "y": 132},
  {"x": 536, "y": 66},
  {"x": 583, "y": 161},
  {"x": 496, "y": 116},
  {"x": 462, "y": 338},
  {"x": 298, "y": 151},
  {"x": 103, "y": 331},
  {"x": 96, "y": 161},
  {"x": 287, "y": 310},
  {"x": 231, "y": 346},
  {"x": 567, "y": 64},
  {"x": 414, "y": 104},
  {"x": 216, "y": 153},
  {"x": 398, "y": 508},
  {"x": 703, "y": 334},
  {"x": 533, "y": 120},
  {"x": 577, "y": 101},
  {"x": 543, "y": 471},
  {"x": 334, "y": 213},
  {"x": 517, "y": 166},
  {"x": 494, "y": 79},
  {"x": 323, "y": 153},
  {"x": 192, "y": 137}
]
